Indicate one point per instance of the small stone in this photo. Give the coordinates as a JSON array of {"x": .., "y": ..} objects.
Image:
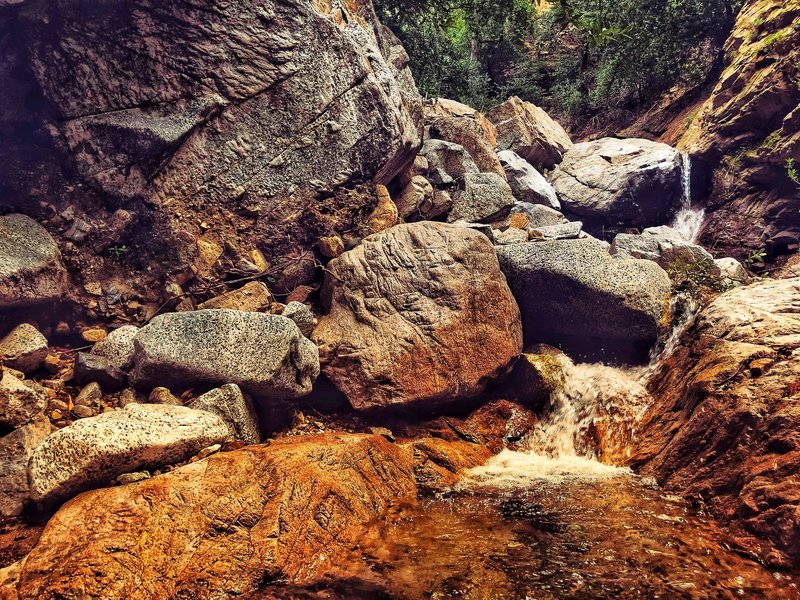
[
  {"x": 511, "y": 235},
  {"x": 128, "y": 396},
  {"x": 387, "y": 433},
  {"x": 209, "y": 252},
  {"x": 63, "y": 328},
  {"x": 82, "y": 412},
  {"x": 126, "y": 478},
  {"x": 566, "y": 231},
  {"x": 90, "y": 395},
  {"x": 52, "y": 364},
  {"x": 252, "y": 297},
  {"x": 94, "y": 335},
  {"x": 91, "y": 367},
  {"x": 24, "y": 349},
  {"x": 56, "y": 415},
  {"x": 205, "y": 452},
  {"x": 56, "y": 404},
  {"x": 331, "y": 246},
  {"x": 302, "y": 316},
  {"x": 78, "y": 231},
  {"x": 300, "y": 294},
  {"x": 760, "y": 366},
  {"x": 162, "y": 395}
]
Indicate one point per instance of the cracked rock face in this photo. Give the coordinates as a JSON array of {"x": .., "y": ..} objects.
[
  {"x": 419, "y": 314},
  {"x": 265, "y": 355},
  {"x": 30, "y": 263},
  {"x": 634, "y": 182},
  {"x": 15, "y": 452},
  {"x": 212, "y": 107},
  {"x": 93, "y": 451},
  {"x": 725, "y": 421},
  {"x": 572, "y": 293},
  {"x": 228, "y": 523}
]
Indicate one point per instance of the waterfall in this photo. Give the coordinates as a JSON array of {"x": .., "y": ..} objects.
[{"x": 688, "y": 220}]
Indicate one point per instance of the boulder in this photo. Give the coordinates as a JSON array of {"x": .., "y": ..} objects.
[
  {"x": 234, "y": 118},
  {"x": 512, "y": 235},
  {"x": 266, "y": 355},
  {"x": 253, "y": 296},
  {"x": 302, "y": 317},
  {"x": 417, "y": 315},
  {"x": 235, "y": 408},
  {"x": 731, "y": 272},
  {"x": 30, "y": 263},
  {"x": 634, "y": 182},
  {"x": 230, "y": 523},
  {"x": 92, "y": 452},
  {"x": 412, "y": 198},
  {"x": 457, "y": 123},
  {"x": 485, "y": 196},
  {"x": 117, "y": 348},
  {"x": 564, "y": 231},
  {"x": 447, "y": 162},
  {"x": 92, "y": 367},
  {"x": 724, "y": 424},
  {"x": 667, "y": 248},
  {"x": 20, "y": 401},
  {"x": 15, "y": 452},
  {"x": 530, "y": 132},
  {"x": 24, "y": 349},
  {"x": 526, "y": 182},
  {"x": 535, "y": 215},
  {"x": 573, "y": 294}
]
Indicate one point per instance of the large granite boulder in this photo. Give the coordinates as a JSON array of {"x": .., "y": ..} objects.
[
  {"x": 224, "y": 526},
  {"x": 250, "y": 110},
  {"x": 265, "y": 355},
  {"x": 526, "y": 182},
  {"x": 530, "y": 132},
  {"x": 610, "y": 181},
  {"x": 419, "y": 314},
  {"x": 448, "y": 163},
  {"x": 24, "y": 348},
  {"x": 460, "y": 124},
  {"x": 30, "y": 263},
  {"x": 117, "y": 348},
  {"x": 573, "y": 294},
  {"x": 659, "y": 244},
  {"x": 93, "y": 451},
  {"x": 725, "y": 421}
]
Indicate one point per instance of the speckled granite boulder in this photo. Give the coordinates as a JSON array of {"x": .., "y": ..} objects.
[
  {"x": 20, "y": 401},
  {"x": 485, "y": 196},
  {"x": 266, "y": 355},
  {"x": 118, "y": 347},
  {"x": 302, "y": 317},
  {"x": 15, "y": 452},
  {"x": 93, "y": 451},
  {"x": 235, "y": 408},
  {"x": 24, "y": 349},
  {"x": 526, "y": 182},
  {"x": 573, "y": 294},
  {"x": 30, "y": 263}
]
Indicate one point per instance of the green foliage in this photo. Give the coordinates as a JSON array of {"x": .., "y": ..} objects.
[
  {"x": 694, "y": 277},
  {"x": 791, "y": 170},
  {"x": 117, "y": 253},
  {"x": 580, "y": 57}
]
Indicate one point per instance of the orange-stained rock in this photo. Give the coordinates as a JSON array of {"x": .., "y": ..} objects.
[
  {"x": 220, "y": 527},
  {"x": 418, "y": 314},
  {"x": 438, "y": 463},
  {"x": 725, "y": 426}
]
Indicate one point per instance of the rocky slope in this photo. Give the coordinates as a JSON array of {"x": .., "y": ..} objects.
[{"x": 747, "y": 130}]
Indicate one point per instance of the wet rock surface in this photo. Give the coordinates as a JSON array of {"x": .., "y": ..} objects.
[
  {"x": 420, "y": 314},
  {"x": 724, "y": 425}
]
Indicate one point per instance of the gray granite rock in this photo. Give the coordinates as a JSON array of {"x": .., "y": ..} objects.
[
  {"x": 24, "y": 349},
  {"x": 526, "y": 182},
  {"x": 662, "y": 245},
  {"x": 447, "y": 162},
  {"x": 118, "y": 347},
  {"x": 564, "y": 231},
  {"x": 93, "y": 451},
  {"x": 731, "y": 272},
  {"x": 92, "y": 367},
  {"x": 573, "y": 291},
  {"x": 302, "y": 317},
  {"x": 538, "y": 215},
  {"x": 512, "y": 235},
  {"x": 484, "y": 197},
  {"x": 235, "y": 408},
  {"x": 20, "y": 401},
  {"x": 266, "y": 355},
  {"x": 15, "y": 452},
  {"x": 30, "y": 263}
]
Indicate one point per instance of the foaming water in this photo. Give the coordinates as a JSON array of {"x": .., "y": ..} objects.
[{"x": 688, "y": 220}]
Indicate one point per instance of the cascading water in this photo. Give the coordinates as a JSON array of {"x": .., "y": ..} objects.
[{"x": 688, "y": 220}]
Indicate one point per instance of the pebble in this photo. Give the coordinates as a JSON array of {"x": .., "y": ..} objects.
[
  {"x": 82, "y": 412},
  {"x": 94, "y": 335},
  {"x": 208, "y": 451},
  {"x": 90, "y": 395},
  {"x": 132, "y": 477},
  {"x": 162, "y": 395}
]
